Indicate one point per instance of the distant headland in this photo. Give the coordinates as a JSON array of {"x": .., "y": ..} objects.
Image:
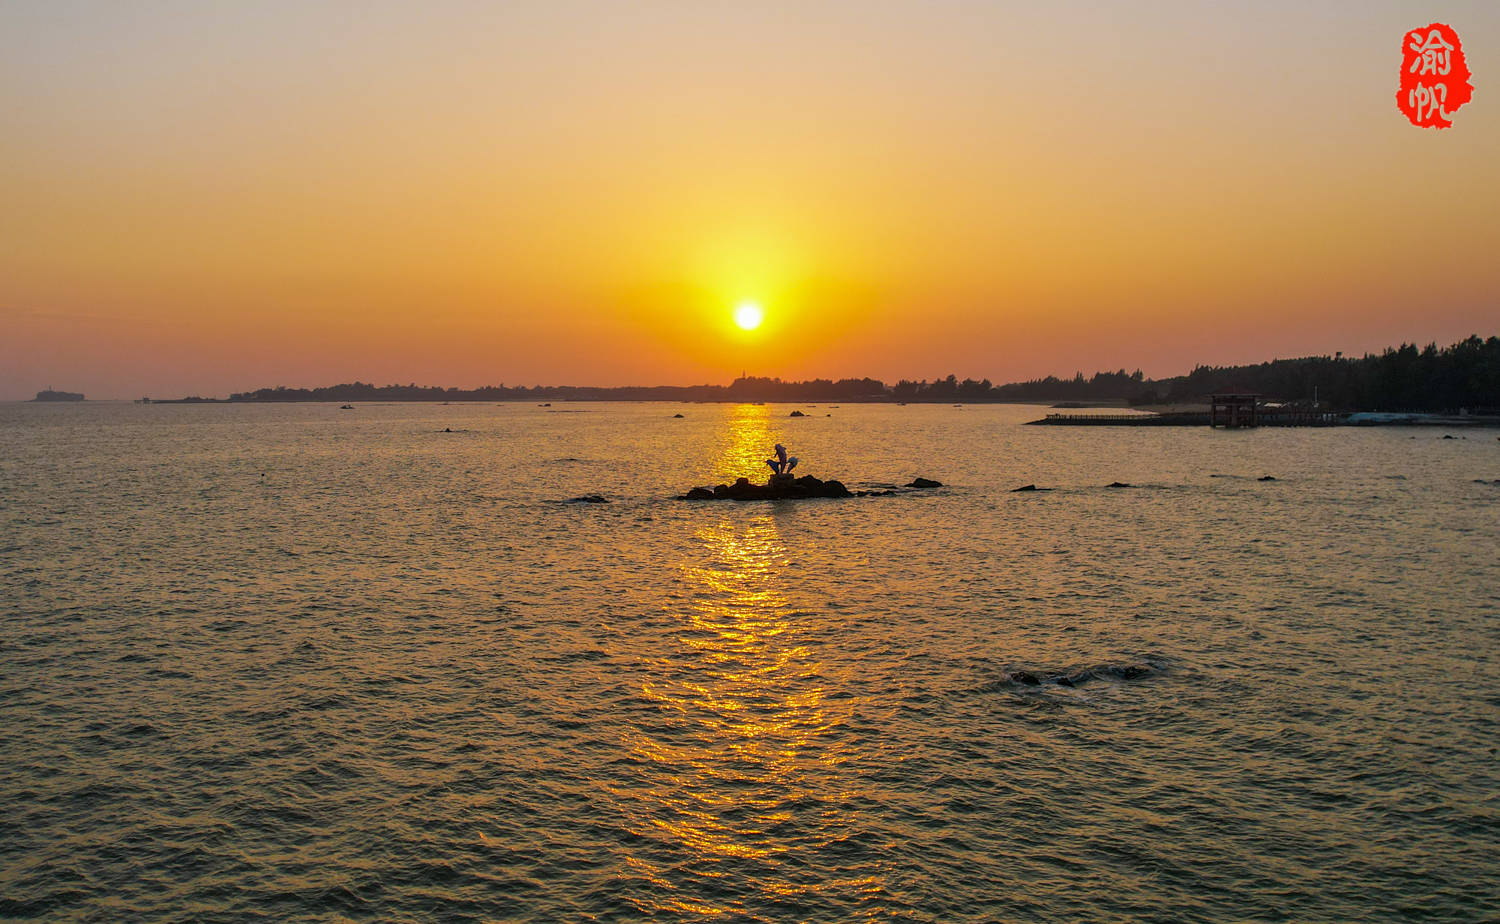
[
  {"x": 1404, "y": 378},
  {"x": 48, "y": 394}
]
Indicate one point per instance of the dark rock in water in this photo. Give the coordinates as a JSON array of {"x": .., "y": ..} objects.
[
  {"x": 1118, "y": 484},
  {"x": 676, "y": 415},
  {"x": 780, "y": 487},
  {"x": 1025, "y": 487},
  {"x": 1266, "y": 478},
  {"x": 796, "y": 414},
  {"x": 785, "y": 487},
  {"x": 1072, "y": 678},
  {"x": 1447, "y": 436},
  {"x": 589, "y": 499}
]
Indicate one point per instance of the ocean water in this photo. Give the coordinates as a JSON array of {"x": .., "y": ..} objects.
[{"x": 270, "y": 663}]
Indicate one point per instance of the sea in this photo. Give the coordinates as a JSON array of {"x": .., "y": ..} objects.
[{"x": 302, "y": 663}]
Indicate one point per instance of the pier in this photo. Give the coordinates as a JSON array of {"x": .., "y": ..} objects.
[
  {"x": 1270, "y": 417},
  {"x": 1188, "y": 419},
  {"x": 1234, "y": 410}
]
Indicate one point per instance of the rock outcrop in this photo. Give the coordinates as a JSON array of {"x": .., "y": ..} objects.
[{"x": 780, "y": 487}]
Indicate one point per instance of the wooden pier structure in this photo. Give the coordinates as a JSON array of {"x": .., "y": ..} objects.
[
  {"x": 1228, "y": 415},
  {"x": 1233, "y": 410}
]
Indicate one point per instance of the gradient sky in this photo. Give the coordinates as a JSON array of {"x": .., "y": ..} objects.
[{"x": 199, "y": 198}]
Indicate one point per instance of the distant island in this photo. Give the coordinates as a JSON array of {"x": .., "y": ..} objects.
[
  {"x": 50, "y": 395},
  {"x": 1465, "y": 375}
]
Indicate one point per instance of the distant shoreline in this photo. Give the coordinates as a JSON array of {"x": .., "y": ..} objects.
[
  {"x": 1465, "y": 375},
  {"x": 1164, "y": 415},
  {"x": 1457, "y": 379}
]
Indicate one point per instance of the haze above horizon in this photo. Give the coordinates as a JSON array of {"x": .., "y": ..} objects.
[{"x": 205, "y": 200}]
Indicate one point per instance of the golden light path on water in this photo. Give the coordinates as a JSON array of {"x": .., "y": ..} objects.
[
  {"x": 746, "y": 777},
  {"x": 745, "y": 443}
]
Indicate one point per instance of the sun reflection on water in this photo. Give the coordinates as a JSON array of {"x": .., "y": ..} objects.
[
  {"x": 746, "y": 443},
  {"x": 746, "y": 786}
]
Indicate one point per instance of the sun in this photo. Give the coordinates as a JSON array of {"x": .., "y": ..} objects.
[{"x": 748, "y": 315}]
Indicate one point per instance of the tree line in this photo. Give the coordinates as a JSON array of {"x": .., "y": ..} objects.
[{"x": 1404, "y": 378}]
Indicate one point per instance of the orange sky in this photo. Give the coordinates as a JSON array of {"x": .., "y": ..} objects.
[{"x": 202, "y": 200}]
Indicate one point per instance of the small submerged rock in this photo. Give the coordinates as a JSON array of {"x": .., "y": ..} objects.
[
  {"x": 1027, "y": 487},
  {"x": 1266, "y": 478},
  {"x": 676, "y": 415},
  {"x": 1118, "y": 484},
  {"x": 587, "y": 499},
  {"x": 796, "y": 414},
  {"x": 1131, "y": 670},
  {"x": 924, "y": 483}
]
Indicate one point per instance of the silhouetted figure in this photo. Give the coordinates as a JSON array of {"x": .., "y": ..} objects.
[{"x": 781, "y": 465}]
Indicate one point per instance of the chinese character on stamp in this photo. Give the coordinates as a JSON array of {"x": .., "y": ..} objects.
[{"x": 1434, "y": 76}]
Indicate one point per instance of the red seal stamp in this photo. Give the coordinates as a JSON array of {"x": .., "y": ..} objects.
[{"x": 1434, "y": 76}]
